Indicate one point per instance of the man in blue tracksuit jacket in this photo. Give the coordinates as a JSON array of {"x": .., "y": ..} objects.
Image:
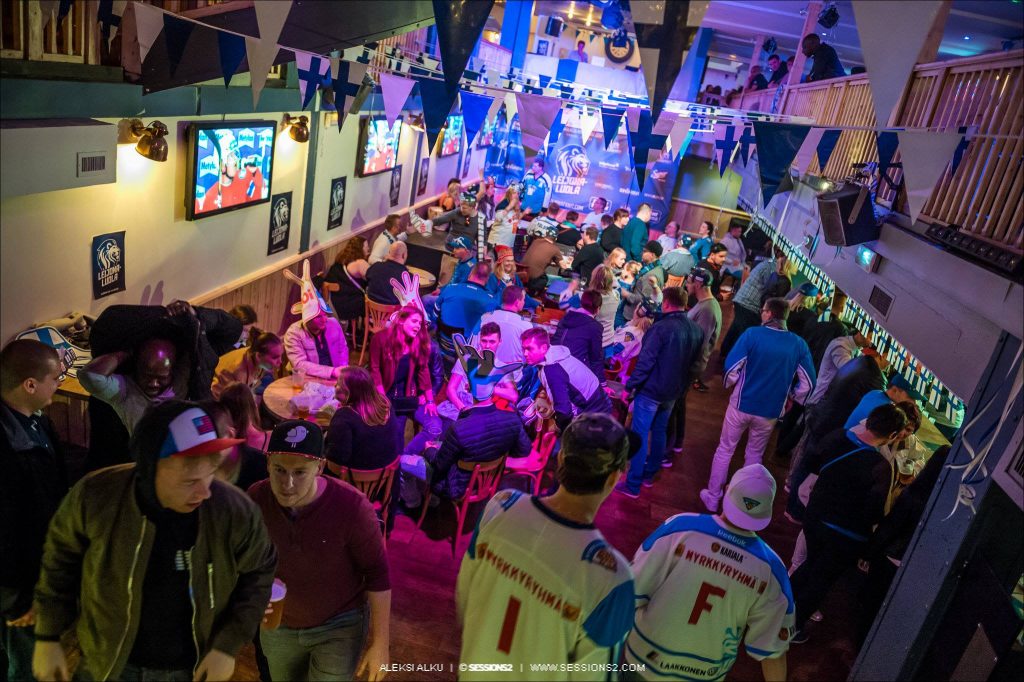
[{"x": 767, "y": 365}]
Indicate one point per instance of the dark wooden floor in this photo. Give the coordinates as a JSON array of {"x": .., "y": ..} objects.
[{"x": 423, "y": 572}]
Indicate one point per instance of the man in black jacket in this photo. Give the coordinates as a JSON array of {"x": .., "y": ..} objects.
[
  {"x": 611, "y": 237},
  {"x": 581, "y": 333},
  {"x": 660, "y": 378},
  {"x": 31, "y": 487},
  {"x": 848, "y": 500},
  {"x": 826, "y": 62},
  {"x": 590, "y": 256}
]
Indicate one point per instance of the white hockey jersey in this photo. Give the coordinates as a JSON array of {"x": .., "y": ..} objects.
[
  {"x": 540, "y": 596},
  {"x": 702, "y": 588}
]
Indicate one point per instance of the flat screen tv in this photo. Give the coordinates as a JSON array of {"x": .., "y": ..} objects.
[
  {"x": 378, "y": 146},
  {"x": 230, "y": 166},
  {"x": 485, "y": 136},
  {"x": 451, "y": 142}
]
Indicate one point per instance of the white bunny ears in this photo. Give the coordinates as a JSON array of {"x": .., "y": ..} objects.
[
  {"x": 408, "y": 291},
  {"x": 311, "y": 303}
]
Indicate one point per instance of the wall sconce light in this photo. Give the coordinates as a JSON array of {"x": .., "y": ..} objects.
[
  {"x": 149, "y": 140},
  {"x": 416, "y": 122},
  {"x": 298, "y": 127}
]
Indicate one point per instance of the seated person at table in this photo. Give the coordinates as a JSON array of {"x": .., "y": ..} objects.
[
  {"x": 571, "y": 386},
  {"x": 569, "y": 231},
  {"x": 242, "y": 464},
  {"x": 379, "y": 275},
  {"x": 504, "y": 274},
  {"x": 316, "y": 345},
  {"x": 594, "y": 217},
  {"x": 505, "y": 391},
  {"x": 245, "y": 415},
  {"x": 543, "y": 252},
  {"x": 393, "y": 232},
  {"x": 589, "y": 257},
  {"x": 463, "y": 250},
  {"x": 616, "y": 260},
  {"x": 581, "y": 333},
  {"x": 677, "y": 261},
  {"x": 803, "y": 310},
  {"x": 450, "y": 199},
  {"x": 510, "y": 323},
  {"x": 253, "y": 365},
  {"x": 459, "y": 307},
  {"x": 548, "y": 217},
  {"x": 482, "y": 433},
  {"x": 346, "y": 280},
  {"x": 669, "y": 239},
  {"x": 406, "y": 367},
  {"x": 156, "y": 375},
  {"x": 465, "y": 221},
  {"x": 364, "y": 432}
]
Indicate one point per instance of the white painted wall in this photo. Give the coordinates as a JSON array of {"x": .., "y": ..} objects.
[{"x": 45, "y": 238}]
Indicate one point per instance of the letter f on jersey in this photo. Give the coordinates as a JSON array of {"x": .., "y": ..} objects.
[{"x": 702, "y": 604}]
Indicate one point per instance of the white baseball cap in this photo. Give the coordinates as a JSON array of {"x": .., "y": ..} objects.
[
  {"x": 749, "y": 498},
  {"x": 192, "y": 434}
]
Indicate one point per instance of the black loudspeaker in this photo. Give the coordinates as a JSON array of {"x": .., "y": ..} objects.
[
  {"x": 847, "y": 216},
  {"x": 554, "y": 27}
]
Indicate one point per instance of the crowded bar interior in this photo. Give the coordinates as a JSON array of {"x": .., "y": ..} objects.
[{"x": 614, "y": 339}]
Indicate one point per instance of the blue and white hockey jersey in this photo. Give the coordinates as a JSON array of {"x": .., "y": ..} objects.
[
  {"x": 766, "y": 365},
  {"x": 701, "y": 589}
]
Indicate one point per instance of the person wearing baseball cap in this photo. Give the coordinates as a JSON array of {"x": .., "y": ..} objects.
[
  {"x": 705, "y": 581},
  {"x": 182, "y": 576},
  {"x": 575, "y": 599},
  {"x": 707, "y": 314},
  {"x": 309, "y": 516},
  {"x": 465, "y": 221}
]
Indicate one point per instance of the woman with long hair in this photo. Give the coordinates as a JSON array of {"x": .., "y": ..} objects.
[
  {"x": 346, "y": 280},
  {"x": 243, "y": 464},
  {"x": 253, "y": 365},
  {"x": 602, "y": 280},
  {"x": 506, "y": 221},
  {"x": 404, "y": 364},
  {"x": 364, "y": 433}
]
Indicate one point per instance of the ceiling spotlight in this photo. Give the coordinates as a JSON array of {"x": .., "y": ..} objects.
[
  {"x": 298, "y": 127},
  {"x": 149, "y": 140},
  {"x": 967, "y": 37},
  {"x": 829, "y": 16}
]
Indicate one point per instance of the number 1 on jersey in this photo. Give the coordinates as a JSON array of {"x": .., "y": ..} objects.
[{"x": 508, "y": 627}]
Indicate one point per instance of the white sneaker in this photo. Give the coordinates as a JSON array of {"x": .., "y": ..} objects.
[{"x": 710, "y": 500}]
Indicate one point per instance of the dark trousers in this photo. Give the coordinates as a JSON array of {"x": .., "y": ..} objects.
[
  {"x": 790, "y": 429},
  {"x": 880, "y": 577},
  {"x": 17, "y": 645},
  {"x": 677, "y": 421},
  {"x": 742, "y": 320},
  {"x": 829, "y": 555}
]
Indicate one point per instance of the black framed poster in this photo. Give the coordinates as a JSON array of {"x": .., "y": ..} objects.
[
  {"x": 396, "y": 184},
  {"x": 107, "y": 264},
  {"x": 280, "y": 222},
  {"x": 421, "y": 185},
  {"x": 336, "y": 212}
]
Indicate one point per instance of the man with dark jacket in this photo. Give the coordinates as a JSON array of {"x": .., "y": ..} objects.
[
  {"x": 590, "y": 256},
  {"x": 581, "y": 333},
  {"x": 636, "y": 233},
  {"x": 826, "y": 62},
  {"x": 166, "y": 570},
  {"x": 848, "y": 500},
  {"x": 570, "y": 385},
  {"x": 31, "y": 488},
  {"x": 660, "y": 377},
  {"x": 379, "y": 275},
  {"x": 611, "y": 236}
]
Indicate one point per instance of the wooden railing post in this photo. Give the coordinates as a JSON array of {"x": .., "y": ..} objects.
[{"x": 810, "y": 21}]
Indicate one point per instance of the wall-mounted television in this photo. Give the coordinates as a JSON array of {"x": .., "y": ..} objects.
[
  {"x": 451, "y": 142},
  {"x": 230, "y": 166},
  {"x": 485, "y": 136},
  {"x": 378, "y": 146}
]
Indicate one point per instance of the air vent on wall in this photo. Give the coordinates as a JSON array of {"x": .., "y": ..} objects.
[
  {"x": 881, "y": 300},
  {"x": 91, "y": 163}
]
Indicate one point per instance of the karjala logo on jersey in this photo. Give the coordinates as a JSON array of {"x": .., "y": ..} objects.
[{"x": 571, "y": 168}]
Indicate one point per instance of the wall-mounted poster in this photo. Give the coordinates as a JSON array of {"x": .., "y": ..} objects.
[
  {"x": 542, "y": 47},
  {"x": 337, "y": 210},
  {"x": 421, "y": 185},
  {"x": 107, "y": 264},
  {"x": 280, "y": 222},
  {"x": 396, "y": 184},
  {"x": 465, "y": 162}
]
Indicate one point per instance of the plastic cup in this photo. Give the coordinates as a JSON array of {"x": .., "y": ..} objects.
[
  {"x": 298, "y": 380},
  {"x": 277, "y": 595}
]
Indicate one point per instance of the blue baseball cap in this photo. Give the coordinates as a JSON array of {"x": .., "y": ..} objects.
[
  {"x": 808, "y": 289},
  {"x": 898, "y": 381},
  {"x": 460, "y": 242}
]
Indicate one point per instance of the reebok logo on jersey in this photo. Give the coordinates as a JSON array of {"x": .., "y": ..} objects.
[{"x": 750, "y": 504}]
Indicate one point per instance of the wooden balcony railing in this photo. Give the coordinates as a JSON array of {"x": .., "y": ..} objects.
[{"x": 986, "y": 196}]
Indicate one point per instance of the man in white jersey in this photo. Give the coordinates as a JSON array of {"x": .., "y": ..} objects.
[
  {"x": 705, "y": 582},
  {"x": 541, "y": 594}
]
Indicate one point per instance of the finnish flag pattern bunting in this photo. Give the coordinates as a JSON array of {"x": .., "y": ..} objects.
[
  {"x": 588, "y": 122},
  {"x": 777, "y": 145},
  {"x": 346, "y": 87},
  {"x": 725, "y": 145},
  {"x": 311, "y": 70},
  {"x": 610, "y": 121},
  {"x": 807, "y": 150},
  {"x": 475, "y": 109},
  {"x": 663, "y": 37},
  {"x": 149, "y": 22}
]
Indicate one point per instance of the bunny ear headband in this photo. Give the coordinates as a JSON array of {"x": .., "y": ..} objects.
[
  {"x": 480, "y": 368},
  {"x": 311, "y": 303}
]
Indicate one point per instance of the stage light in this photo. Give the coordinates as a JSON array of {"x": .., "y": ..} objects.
[
  {"x": 829, "y": 16},
  {"x": 967, "y": 37},
  {"x": 149, "y": 140},
  {"x": 298, "y": 127}
]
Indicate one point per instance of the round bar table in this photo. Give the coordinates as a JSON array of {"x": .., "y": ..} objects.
[{"x": 277, "y": 395}]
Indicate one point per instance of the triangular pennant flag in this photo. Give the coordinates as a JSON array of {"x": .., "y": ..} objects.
[
  {"x": 663, "y": 38},
  {"x": 925, "y": 157},
  {"x": 261, "y": 55},
  {"x": 232, "y": 52},
  {"x": 311, "y": 70},
  {"x": 270, "y": 18},
  {"x": 545, "y": 81},
  {"x": 176, "y": 35},
  {"x": 633, "y": 118},
  {"x": 889, "y": 62},
  {"x": 777, "y": 145},
  {"x": 47, "y": 8},
  {"x": 346, "y": 87},
  {"x": 611, "y": 119},
  {"x": 887, "y": 142},
  {"x": 725, "y": 142},
  {"x": 458, "y": 24},
  {"x": 437, "y": 104},
  {"x": 557, "y": 126},
  {"x": 680, "y": 136},
  {"x": 746, "y": 140},
  {"x": 536, "y": 113},
  {"x": 335, "y": 65},
  {"x": 807, "y": 150},
  {"x": 495, "y": 107},
  {"x": 395, "y": 91},
  {"x": 645, "y": 146},
  {"x": 474, "y": 112},
  {"x": 511, "y": 106},
  {"x": 149, "y": 22},
  {"x": 108, "y": 16},
  {"x": 588, "y": 122},
  {"x": 827, "y": 145}
]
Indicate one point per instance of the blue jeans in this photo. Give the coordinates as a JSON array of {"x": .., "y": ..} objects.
[
  {"x": 650, "y": 421},
  {"x": 325, "y": 652},
  {"x": 17, "y": 645},
  {"x": 432, "y": 427}
]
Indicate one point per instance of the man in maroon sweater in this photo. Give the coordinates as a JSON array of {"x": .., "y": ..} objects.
[{"x": 332, "y": 561}]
